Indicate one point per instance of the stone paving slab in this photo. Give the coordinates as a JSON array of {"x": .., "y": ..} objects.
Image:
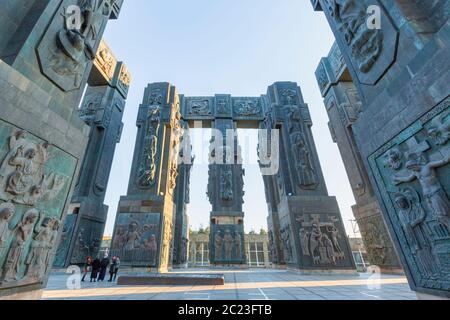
[{"x": 253, "y": 284}]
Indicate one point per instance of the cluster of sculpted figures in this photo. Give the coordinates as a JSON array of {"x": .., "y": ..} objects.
[
  {"x": 133, "y": 238},
  {"x": 225, "y": 244},
  {"x": 33, "y": 228},
  {"x": 423, "y": 208},
  {"x": 321, "y": 243}
]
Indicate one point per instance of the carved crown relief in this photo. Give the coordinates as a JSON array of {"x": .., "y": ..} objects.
[{"x": 65, "y": 50}]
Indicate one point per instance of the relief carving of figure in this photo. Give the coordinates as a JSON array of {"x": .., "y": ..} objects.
[
  {"x": 365, "y": 44},
  {"x": 304, "y": 241},
  {"x": 248, "y": 108},
  {"x": 304, "y": 165},
  {"x": 412, "y": 216},
  {"x": 330, "y": 255},
  {"x": 173, "y": 176},
  {"x": 393, "y": 159},
  {"x": 238, "y": 244},
  {"x": 7, "y": 211},
  {"x": 43, "y": 241},
  {"x": 315, "y": 240},
  {"x": 76, "y": 44},
  {"x": 152, "y": 245},
  {"x": 148, "y": 166},
  {"x": 334, "y": 232},
  {"x": 132, "y": 237},
  {"x": 218, "y": 245},
  {"x": 440, "y": 128},
  {"x": 228, "y": 241},
  {"x": 226, "y": 184},
  {"x": 289, "y": 97},
  {"x": 22, "y": 234},
  {"x": 286, "y": 240},
  {"x": 22, "y": 177},
  {"x": 119, "y": 238},
  {"x": 433, "y": 192}
]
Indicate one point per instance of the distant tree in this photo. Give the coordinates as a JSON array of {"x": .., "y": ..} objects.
[
  {"x": 252, "y": 232},
  {"x": 263, "y": 232}
]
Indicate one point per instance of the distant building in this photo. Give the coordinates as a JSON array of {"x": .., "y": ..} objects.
[
  {"x": 256, "y": 250},
  {"x": 105, "y": 245},
  {"x": 359, "y": 254}
]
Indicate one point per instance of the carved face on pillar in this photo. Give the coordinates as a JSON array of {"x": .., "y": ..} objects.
[{"x": 393, "y": 159}]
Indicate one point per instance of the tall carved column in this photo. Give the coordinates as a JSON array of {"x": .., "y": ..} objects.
[
  {"x": 272, "y": 199},
  {"x": 102, "y": 109},
  {"x": 344, "y": 107},
  {"x": 402, "y": 73},
  {"x": 45, "y": 64},
  {"x": 182, "y": 198},
  {"x": 225, "y": 192},
  {"x": 312, "y": 233},
  {"x": 143, "y": 231}
]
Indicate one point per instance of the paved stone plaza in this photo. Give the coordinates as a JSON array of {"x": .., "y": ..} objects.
[{"x": 244, "y": 285}]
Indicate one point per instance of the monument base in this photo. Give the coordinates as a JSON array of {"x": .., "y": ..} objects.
[{"x": 173, "y": 280}]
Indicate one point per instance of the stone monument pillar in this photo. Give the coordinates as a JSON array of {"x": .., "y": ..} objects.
[
  {"x": 344, "y": 107},
  {"x": 182, "y": 198},
  {"x": 273, "y": 221},
  {"x": 225, "y": 192},
  {"x": 397, "y": 55},
  {"x": 143, "y": 231},
  {"x": 312, "y": 233},
  {"x": 45, "y": 62},
  {"x": 102, "y": 109}
]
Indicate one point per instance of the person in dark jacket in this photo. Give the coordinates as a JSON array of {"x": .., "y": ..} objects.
[
  {"x": 103, "y": 266},
  {"x": 87, "y": 267},
  {"x": 95, "y": 269},
  {"x": 112, "y": 268}
]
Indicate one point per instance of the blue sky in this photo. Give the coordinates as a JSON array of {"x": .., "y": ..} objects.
[{"x": 204, "y": 47}]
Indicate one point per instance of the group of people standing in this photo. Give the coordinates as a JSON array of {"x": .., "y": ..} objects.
[{"x": 98, "y": 268}]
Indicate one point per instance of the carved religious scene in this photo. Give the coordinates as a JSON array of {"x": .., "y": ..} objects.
[
  {"x": 321, "y": 240},
  {"x": 137, "y": 238},
  {"x": 227, "y": 244},
  {"x": 23, "y": 179},
  {"x": 411, "y": 168},
  {"x": 148, "y": 164}
]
